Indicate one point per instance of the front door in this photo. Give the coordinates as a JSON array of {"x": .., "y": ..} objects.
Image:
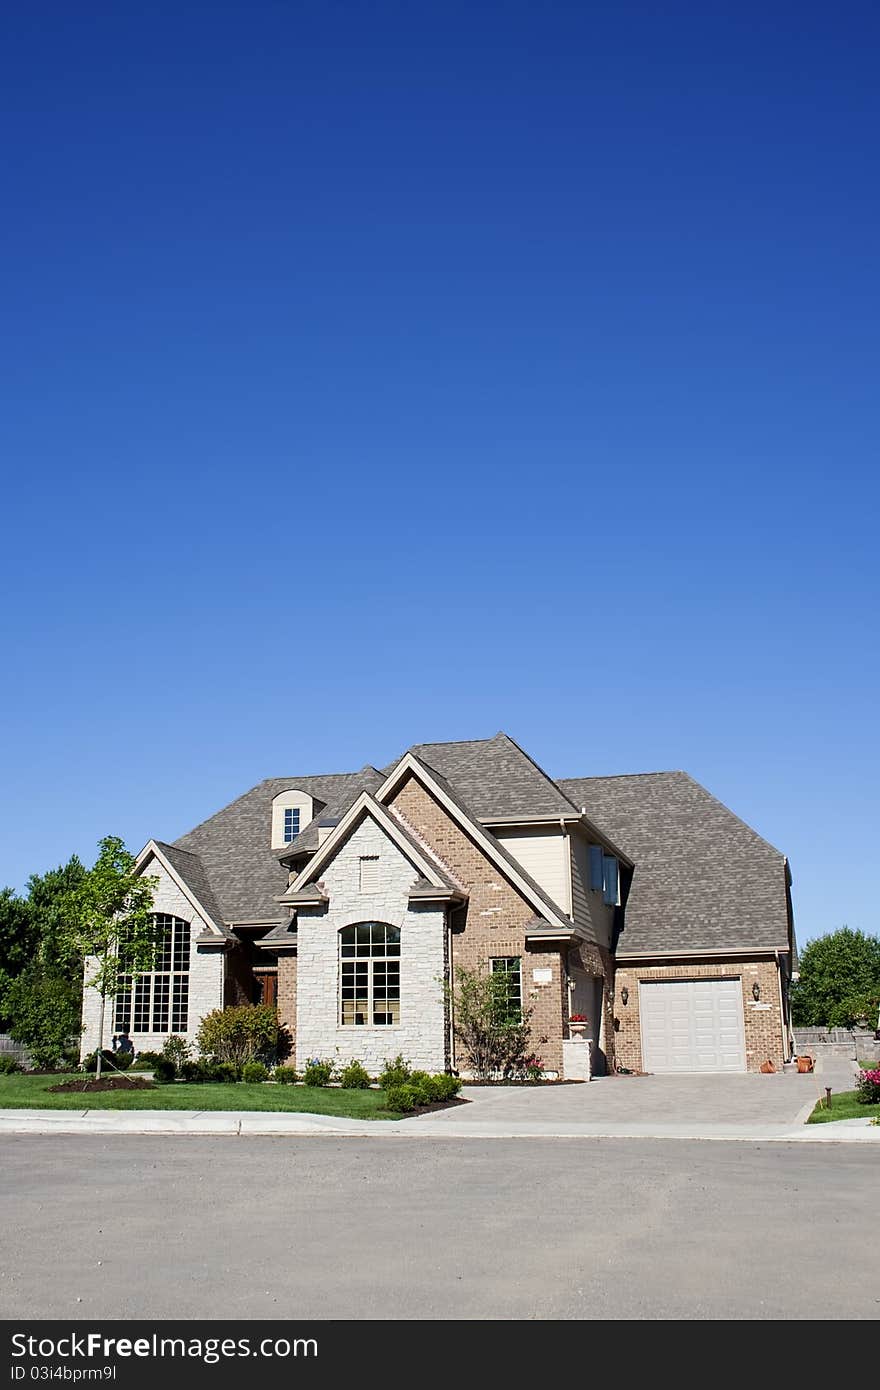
[{"x": 266, "y": 987}]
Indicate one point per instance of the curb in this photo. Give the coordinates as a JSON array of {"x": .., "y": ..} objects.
[{"x": 249, "y": 1124}]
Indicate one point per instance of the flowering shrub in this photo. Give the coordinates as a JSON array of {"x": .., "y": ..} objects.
[{"x": 868, "y": 1087}]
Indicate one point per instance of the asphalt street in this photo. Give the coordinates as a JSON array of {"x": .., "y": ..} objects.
[{"x": 137, "y": 1226}]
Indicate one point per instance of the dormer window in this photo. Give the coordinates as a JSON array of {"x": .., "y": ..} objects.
[{"x": 292, "y": 810}]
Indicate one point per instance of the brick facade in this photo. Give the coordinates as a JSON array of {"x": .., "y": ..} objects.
[
  {"x": 762, "y": 1020},
  {"x": 494, "y": 921},
  {"x": 287, "y": 995}
]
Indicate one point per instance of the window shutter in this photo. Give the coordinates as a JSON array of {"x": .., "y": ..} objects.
[{"x": 597, "y": 871}]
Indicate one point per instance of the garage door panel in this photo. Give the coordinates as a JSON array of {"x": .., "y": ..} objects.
[{"x": 692, "y": 1025}]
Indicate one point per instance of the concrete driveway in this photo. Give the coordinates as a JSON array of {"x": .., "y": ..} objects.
[{"x": 642, "y": 1104}]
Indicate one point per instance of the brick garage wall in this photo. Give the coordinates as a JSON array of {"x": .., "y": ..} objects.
[
  {"x": 207, "y": 969},
  {"x": 763, "y": 1026},
  {"x": 494, "y": 921},
  {"x": 287, "y": 995}
]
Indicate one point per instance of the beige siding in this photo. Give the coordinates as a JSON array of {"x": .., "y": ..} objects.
[
  {"x": 588, "y": 909},
  {"x": 542, "y": 854}
]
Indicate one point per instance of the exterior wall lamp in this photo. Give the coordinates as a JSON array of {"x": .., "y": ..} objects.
[
  {"x": 756, "y": 991},
  {"x": 624, "y": 996}
]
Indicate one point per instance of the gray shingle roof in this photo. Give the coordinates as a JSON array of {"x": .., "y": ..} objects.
[
  {"x": 496, "y": 779},
  {"x": 191, "y": 869},
  {"x": 234, "y": 846},
  {"x": 367, "y": 780},
  {"x": 703, "y": 879}
]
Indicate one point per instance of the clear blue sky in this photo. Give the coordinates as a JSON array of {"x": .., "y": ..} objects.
[{"x": 383, "y": 373}]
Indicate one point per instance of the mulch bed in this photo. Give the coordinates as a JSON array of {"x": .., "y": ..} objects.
[
  {"x": 539, "y": 1084},
  {"x": 107, "y": 1083},
  {"x": 437, "y": 1105}
]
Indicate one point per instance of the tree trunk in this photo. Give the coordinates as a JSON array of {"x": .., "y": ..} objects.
[{"x": 100, "y": 1038}]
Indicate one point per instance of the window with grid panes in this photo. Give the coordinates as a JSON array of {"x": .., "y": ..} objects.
[
  {"x": 369, "y": 975},
  {"x": 511, "y": 968},
  {"x": 158, "y": 1001}
]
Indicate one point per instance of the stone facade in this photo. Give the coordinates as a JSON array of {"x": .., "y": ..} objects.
[
  {"x": 762, "y": 1020},
  {"x": 421, "y": 1033},
  {"x": 494, "y": 921},
  {"x": 206, "y": 975}
]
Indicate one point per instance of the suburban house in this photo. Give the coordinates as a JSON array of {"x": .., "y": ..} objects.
[{"x": 638, "y": 901}]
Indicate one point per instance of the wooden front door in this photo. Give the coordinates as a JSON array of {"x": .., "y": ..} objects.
[{"x": 266, "y": 987}]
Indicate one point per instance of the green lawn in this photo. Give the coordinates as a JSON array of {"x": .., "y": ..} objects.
[
  {"x": 845, "y": 1105},
  {"x": 21, "y": 1092}
]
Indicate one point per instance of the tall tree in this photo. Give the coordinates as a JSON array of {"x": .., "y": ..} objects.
[
  {"x": 40, "y": 977},
  {"x": 109, "y": 922},
  {"x": 17, "y": 941},
  {"x": 839, "y": 981}
]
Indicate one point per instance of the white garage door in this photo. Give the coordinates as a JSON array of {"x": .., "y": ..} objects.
[{"x": 692, "y": 1025}]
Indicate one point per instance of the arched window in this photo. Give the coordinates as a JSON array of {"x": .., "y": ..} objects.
[
  {"x": 369, "y": 975},
  {"x": 158, "y": 1002}
]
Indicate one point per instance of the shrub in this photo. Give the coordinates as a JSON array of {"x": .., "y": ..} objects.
[
  {"x": 495, "y": 1036},
  {"x": 318, "y": 1073},
  {"x": 400, "y": 1098},
  {"x": 8, "y": 1066},
  {"x": 177, "y": 1051},
  {"x": 395, "y": 1073},
  {"x": 145, "y": 1061},
  {"x": 163, "y": 1070},
  {"x": 221, "y": 1071},
  {"x": 252, "y": 1072},
  {"x": 244, "y": 1033},
  {"x": 422, "y": 1089},
  {"x": 444, "y": 1087},
  {"x": 286, "y": 1076},
  {"x": 118, "y": 1061},
  {"x": 420, "y": 1085},
  {"x": 868, "y": 1087},
  {"x": 354, "y": 1077},
  {"x": 43, "y": 1006}
]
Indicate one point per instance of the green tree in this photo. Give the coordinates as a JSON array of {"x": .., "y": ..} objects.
[
  {"x": 44, "y": 1005},
  {"x": 839, "y": 981},
  {"x": 40, "y": 977},
  {"x": 17, "y": 943},
  {"x": 48, "y": 901},
  {"x": 494, "y": 1035},
  {"x": 108, "y": 922}
]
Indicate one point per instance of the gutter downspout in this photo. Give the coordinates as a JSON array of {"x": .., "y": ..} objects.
[{"x": 787, "y": 1050}]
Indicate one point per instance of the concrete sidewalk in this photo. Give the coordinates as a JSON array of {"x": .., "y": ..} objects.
[{"x": 250, "y": 1123}]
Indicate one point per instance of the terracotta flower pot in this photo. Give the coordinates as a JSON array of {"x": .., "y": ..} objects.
[{"x": 804, "y": 1064}]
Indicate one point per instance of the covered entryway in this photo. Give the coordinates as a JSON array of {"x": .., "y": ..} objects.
[{"x": 692, "y": 1025}]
